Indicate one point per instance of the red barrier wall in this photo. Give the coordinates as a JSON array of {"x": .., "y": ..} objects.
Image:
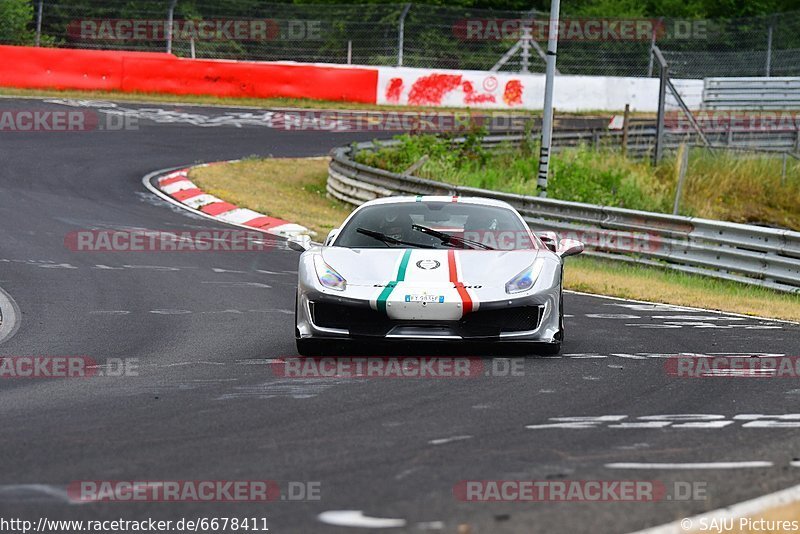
[{"x": 150, "y": 72}]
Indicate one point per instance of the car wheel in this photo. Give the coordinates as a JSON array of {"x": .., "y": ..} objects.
[{"x": 560, "y": 335}]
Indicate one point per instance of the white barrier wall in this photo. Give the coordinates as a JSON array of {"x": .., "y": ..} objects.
[{"x": 479, "y": 89}]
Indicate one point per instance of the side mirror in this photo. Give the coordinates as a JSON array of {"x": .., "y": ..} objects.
[
  {"x": 569, "y": 247},
  {"x": 300, "y": 243},
  {"x": 550, "y": 240},
  {"x": 331, "y": 236}
]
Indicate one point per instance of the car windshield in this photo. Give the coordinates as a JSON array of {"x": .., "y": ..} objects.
[{"x": 435, "y": 225}]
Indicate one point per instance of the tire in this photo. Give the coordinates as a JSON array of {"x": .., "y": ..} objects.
[{"x": 560, "y": 335}]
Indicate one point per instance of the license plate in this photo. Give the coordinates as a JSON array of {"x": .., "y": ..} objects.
[{"x": 424, "y": 298}]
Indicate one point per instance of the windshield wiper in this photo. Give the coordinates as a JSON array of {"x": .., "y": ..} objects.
[
  {"x": 449, "y": 238},
  {"x": 389, "y": 239}
]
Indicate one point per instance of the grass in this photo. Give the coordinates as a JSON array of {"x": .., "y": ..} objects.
[
  {"x": 294, "y": 189},
  {"x": 719, "y": 185},
  {"x": 288, "y": 188}
]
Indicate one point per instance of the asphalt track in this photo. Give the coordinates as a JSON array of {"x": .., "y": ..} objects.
[{"x": 205, "y": 406}]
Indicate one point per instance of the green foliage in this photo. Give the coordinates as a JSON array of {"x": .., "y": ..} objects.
[
  {"x": 607, "y": 178},
  {"x": 733, "y": 187},
  {"x": 17, "y": 21}
]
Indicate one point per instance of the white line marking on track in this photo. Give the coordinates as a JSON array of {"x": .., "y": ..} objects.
[
  {"x": 356, "y": 518},
  {"x": 34, "y": 492},
  {"x": 442, "y": 441},
  {"x": 699, "y": 465},
  {"x": 612, "y": 316},
  {"x": 57, "y": 266}
]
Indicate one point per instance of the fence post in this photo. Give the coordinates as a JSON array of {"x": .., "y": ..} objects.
[
  {"x": 39, "y": 23},
  {"x": 683, "y": 161},
  {"x": 525, "y": 55},
  {"x": 170, "y": 14},
  {"x": 653, "y": 44},
  {"x": 349, "y": 52},
  {"x": 401, "y": 30},
  {"x": 662, "y": 102},
  {"x": 769, "y": 45},
  {"x": 547, "y": 115},
  {"x": 625, "y": 121},
  {"x": 783, "y": 169}
]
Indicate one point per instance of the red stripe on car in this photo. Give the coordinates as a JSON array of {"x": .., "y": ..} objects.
[{"x": 466, "y": 300}]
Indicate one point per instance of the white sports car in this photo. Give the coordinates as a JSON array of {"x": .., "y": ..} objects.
[{"x": 431, "y": 269}]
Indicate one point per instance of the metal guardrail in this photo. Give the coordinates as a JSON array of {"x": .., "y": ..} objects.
[
  {"x": 744, "y": 253},
  {"x": 752, "y": 93}
]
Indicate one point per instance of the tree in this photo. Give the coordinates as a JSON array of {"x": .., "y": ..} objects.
[{"x": 17, "y": 18}]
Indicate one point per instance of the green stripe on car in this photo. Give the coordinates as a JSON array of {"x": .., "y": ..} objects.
[{"x": 401, "y": 275}]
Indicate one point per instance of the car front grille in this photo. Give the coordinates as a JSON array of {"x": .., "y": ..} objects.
[
  {"x": 343, "y": 316},
  {"x": 516, "y": 319}
]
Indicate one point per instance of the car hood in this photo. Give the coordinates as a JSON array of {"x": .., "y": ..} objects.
[{"x": 423, "y": 267}]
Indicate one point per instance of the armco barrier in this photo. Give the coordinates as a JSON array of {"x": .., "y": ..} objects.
[
  {"x": 150, "y": 72},
  {"x": 739, "y": 252},
  {"x": 752, "y": 93}
]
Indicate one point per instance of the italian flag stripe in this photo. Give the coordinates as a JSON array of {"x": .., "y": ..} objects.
[
  {"x": 466, "y": 300},
  {"x": 401, "y": 275}
]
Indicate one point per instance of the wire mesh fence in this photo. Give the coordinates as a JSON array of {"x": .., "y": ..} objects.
[{"x": 414, "y": 35}]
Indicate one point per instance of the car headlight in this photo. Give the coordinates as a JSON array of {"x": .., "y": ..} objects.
[
  {"x": 328, "y": 276},
  {"x": 525, "y": 280}
]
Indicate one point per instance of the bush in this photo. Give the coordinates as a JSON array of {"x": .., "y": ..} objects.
[{"x": 17, "y": 18}]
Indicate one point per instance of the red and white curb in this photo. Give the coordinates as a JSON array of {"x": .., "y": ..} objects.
[{"x": 176, "y": 187}]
